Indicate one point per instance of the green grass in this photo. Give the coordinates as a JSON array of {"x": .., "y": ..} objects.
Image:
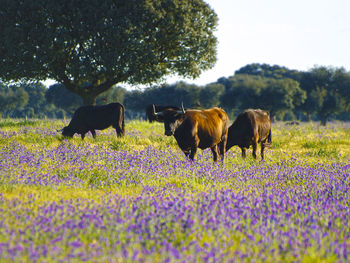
[
  {"x": 310, "y": 140},
  {"x": 153, "y": 168},
  {"x": 18, "y": 123}
]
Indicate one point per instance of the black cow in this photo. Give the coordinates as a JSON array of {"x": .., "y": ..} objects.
[
  {"x": 194, "y": 129},
  {"x": 292, "y": 123},
  {"x": 159, "y": 108},
  {"x": 91, "y": 118},
  {"x": 251, "y": 127}
]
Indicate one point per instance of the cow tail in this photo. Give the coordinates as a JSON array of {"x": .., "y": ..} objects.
[
  {"x": 121, "y": 119},
  {"x": 269, "y": 138}
]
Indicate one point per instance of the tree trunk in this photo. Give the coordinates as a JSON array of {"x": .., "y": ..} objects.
[
  {"x": 273, "y": 116},
  {"x": 308, "y": 116},
  {"x": 88, "y": 93},
  {"x": 324, "y": 120},
  {"x": 89, "y": 99}
]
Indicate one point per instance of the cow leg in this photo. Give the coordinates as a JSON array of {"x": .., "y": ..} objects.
[
  {"x": 118, "y": 131},
  {"x": 194, "y": 147},
  {"x": 262, "y": 150},
  {"x": 255, "y": 145},
  {"x": 243, "y": 152},
  {"x": 222, "y": 148},
  {"x": 193, "y": 152},
  {"x": 214, "y": 150},
  {"x": 93, "y": 133},
  {"x": 187, "y": 153},
  {"x": 82, "y": 135}
]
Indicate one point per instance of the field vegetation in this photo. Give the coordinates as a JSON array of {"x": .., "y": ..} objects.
[{"x": 137, "y": 199}]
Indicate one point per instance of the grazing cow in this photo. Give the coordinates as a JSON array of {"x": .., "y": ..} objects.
[
  {"x": 250, "y": 127},
  {"x": 159, "y": 108},
  {"x": 194, "y": 129},
  {"x": 91, "y": 118}
]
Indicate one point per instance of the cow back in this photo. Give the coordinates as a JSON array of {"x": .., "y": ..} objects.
[
  {"x": 252, "y": 124},
  {"x": 261, "y": 123},
  {"x": 210, "y": 125},
  {"x": 97, "y": 117}
]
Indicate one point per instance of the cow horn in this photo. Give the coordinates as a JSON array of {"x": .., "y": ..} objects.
[
  {"x": 182, "y": 111},
  {"x": 182, "y": 108},
  {"x": 156, "y": 113}
]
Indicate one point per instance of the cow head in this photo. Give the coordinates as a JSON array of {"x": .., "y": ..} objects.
[
  {"x": 172, "y": 119},
  {"x": 67, "y": 132}
]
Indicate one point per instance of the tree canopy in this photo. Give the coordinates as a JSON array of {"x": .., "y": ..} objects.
[
  {"x": 89, "y": 46},
  {"x": 268, "y": 71},
  {"x": 327, "y": 90},
  {"x": 26, "y": 100},
  {"x": 252, "y": 91},
  {"x": 12, "y": 98}
]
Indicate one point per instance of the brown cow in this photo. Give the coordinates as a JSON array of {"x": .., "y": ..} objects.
[
  {"x": 194, "y": 129},
  {"x": 250, "y": 127}
]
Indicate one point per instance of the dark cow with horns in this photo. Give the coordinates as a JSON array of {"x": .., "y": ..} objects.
[
  {"x": 194, "y": 129},
  {"x": 91, "y": 118},
  {"x": 158, "y": 108},
  {"x": 251, "y": 127}
]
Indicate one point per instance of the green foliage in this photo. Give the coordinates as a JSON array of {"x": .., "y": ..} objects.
[
  {"x": 89, "y": 46},
  {"x": 327, "y": 92},
  {"x": 26, "y": 100},
  {"x": 322, "y": 148},
  {"x": 320, "y": 93},
  {"x": 115, "y": 94},
  {"x": 62, "y": 98},
  {"x": 8, "y": 123},
  {"x": 325, "y": 152},
  {"x": 242, "y": 91},
  {"x": 119, "y": 145},
  {"x": 12, "y": 98},
  {"x": 314, "y": 144},
  {"x": 173, "y": 94},
  {"x": 274, "y": 95},
  {"x": 265, "y": 70},
  {"x": 310, "y": 140},
  {"x": 341, "y": 80},
  {"x": 210, "y": 95},
  {"x": 281, "y": 95}
]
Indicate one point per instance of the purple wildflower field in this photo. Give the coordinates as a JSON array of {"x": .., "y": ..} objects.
[{"x": 137, "y": 199}]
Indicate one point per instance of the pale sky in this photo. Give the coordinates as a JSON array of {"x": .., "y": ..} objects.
[{"x": 297, "y": 34}]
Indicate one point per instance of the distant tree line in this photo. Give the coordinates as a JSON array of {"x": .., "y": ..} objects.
[
  {"x": 322, "y": 93},
  {"x": 27, "y": 101}
]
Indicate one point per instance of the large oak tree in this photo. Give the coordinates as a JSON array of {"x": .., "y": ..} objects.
[{"x": 91, "y": 45}]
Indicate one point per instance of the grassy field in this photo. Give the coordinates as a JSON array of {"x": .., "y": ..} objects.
[{"x": 137, "y": 199}]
